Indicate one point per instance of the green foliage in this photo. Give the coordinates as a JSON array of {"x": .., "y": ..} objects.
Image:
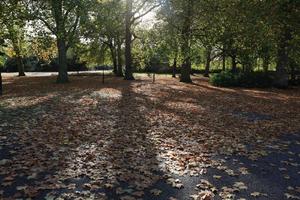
[
  {"x": 255, "y": 79},
  {"x": 224, "y": 79},
  {"x": 247, "y": 35},
  {"x": 2, "y": 61},
  {"x": 13, "y": 24},
  {"x": 251, "y": 79}
]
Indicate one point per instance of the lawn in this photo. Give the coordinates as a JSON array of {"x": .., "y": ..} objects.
[{"x": 141, "y": 140}]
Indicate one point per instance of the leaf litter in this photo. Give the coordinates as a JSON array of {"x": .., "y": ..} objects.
[{"x": 132, "y": 132}]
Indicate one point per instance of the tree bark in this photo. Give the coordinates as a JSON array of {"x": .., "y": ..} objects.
[
  {"x": 19, "y": 58},
  {"x": 57, "y": 11},
  {"x": 282, "y": 78},
  {"x": 233, "y": 63},
  {"x": 208, "y": 60},
  {"x": 186, "y": 34},
  {"x": 174, "y": 64},
  {"x": 119, "y": 55},
  {"x": 247, "y": 64},
  {"x": 16, "y": 43},
  {"x": 223, "y": 62},
  {"x": 293, "y": 70},
  {"x": 266, "y": 63},
  {"x": 174, "y": 67},
  {"x": 20, "y": 65},
  {"x": 62, "y": 59},
  {"x": 128, "y": 42},
  {"x": 113, "y": 57}
]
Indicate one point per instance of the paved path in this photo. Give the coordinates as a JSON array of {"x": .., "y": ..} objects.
[{"x": 43, "y": 74}]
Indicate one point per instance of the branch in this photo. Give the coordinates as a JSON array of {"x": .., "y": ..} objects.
[
  {"x": 71, "y": 31},
  {"x": 134, "y": 37},
  {"x": 145, "y": 13},
  {"x": 140, "y": 7},
  {"x": 67, "y": 13},
  {"x": 47, "y": 25},
  {"x": 107, "y": 43},
  {"x": 217, "y": 55},
  {"x": 73, "y": 28}
]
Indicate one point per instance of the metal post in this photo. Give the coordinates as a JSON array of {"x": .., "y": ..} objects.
[
  {"x": 103, "y": 76},
  {"x": 153, "y": 78}
]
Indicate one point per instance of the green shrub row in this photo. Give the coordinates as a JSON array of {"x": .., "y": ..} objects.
[{"x": 250, "y": 79}]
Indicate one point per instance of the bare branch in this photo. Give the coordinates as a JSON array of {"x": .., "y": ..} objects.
[
  {"x": 145, "y": 13},
  {"x": 71, "y": 31},
  {"x": 140, "y": 7},
  {"x": 47, "y": 24}
]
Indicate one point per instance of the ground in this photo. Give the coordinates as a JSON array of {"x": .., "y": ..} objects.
[{"x": 141, "y": 140}]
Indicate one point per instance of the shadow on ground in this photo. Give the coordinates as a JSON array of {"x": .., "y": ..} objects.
[{"x": 122, "y": 140}]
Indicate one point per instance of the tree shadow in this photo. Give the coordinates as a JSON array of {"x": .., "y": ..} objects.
[
  {"x": 115, "y": 139},
  {"x": 132, "y": 153},
  {"x": 91, "y": 139}
]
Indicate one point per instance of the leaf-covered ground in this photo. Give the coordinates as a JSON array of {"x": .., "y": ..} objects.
[{"x": 139, "y": 140}]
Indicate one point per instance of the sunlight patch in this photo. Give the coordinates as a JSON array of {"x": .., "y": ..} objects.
[
  {"x": 26, "y": 102},
  {"x": 107, "y": 93}
]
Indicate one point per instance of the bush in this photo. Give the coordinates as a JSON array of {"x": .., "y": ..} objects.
[
  {"x": 33, "y": 64},
  {"x": 11, "y": 65},
  {"x": 224, "y": 79},
  {"x": 255, "y": 79},
  {"x": 251, "y": 79}
]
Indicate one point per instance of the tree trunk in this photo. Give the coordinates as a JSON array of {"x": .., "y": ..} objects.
[
  {"x": 174, "y": 64},
  {"x": 293, "y": 71},
  {"x": 266, "y": 63},
  {"x": 186, "y": 71},
  {"x": 119, "y": 55},
  {"x": 57, "y": 12},
  {"x": 20, "y": 66},
  {"x": 248, "y": 64},
  {"x": 114, "y": 58},
  {"x": 16, "y": 43},
  {"x": 282, "y": 78},
  {"x": 19, "y": 58},
  {"x": 208, "y": 60},
  {"x": 128, "y": 41},
  {"x": 233, "y": 63},
  {"x": 174, "y": 67},
  {"x": 115, "y": 70},
  {"x": 223, "y": 62},
  {"x": 62, "y": 60},
  {"x": 186, "y": 34},
  {"x": 281, "y": 72},
  {"x": 1, "y": 82}
]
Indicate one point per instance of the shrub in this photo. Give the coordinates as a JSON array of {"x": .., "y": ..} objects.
[
  {"x": 255, "y": 79},
  {"x": 250, "y": 79},
  {"x": 224, "y": 79},
  {"x": 11, "y": 65}
]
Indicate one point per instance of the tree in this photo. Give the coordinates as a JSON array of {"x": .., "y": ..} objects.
[
  {"x": 172, "y": 33},
  {"x": 106, "y": 27},
  {"x": 208, "y": 30},
  {"x": 13, "y": 24},
  {"x": 284, "y": 20},
  {"x": 43, "y": 46},
  {"x": 61, "y": 18},
  {"x": 185, "y": 13},
  {"x": 1, "y": 54},
  {"x": 152, "y": 51},
  {"x": 135, "y": 10}
]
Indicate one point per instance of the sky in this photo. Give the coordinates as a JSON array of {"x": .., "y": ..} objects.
[{"x": 148, "y": 20}]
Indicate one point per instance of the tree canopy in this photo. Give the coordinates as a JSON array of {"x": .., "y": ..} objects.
[{"x": 184, "y": 36}]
